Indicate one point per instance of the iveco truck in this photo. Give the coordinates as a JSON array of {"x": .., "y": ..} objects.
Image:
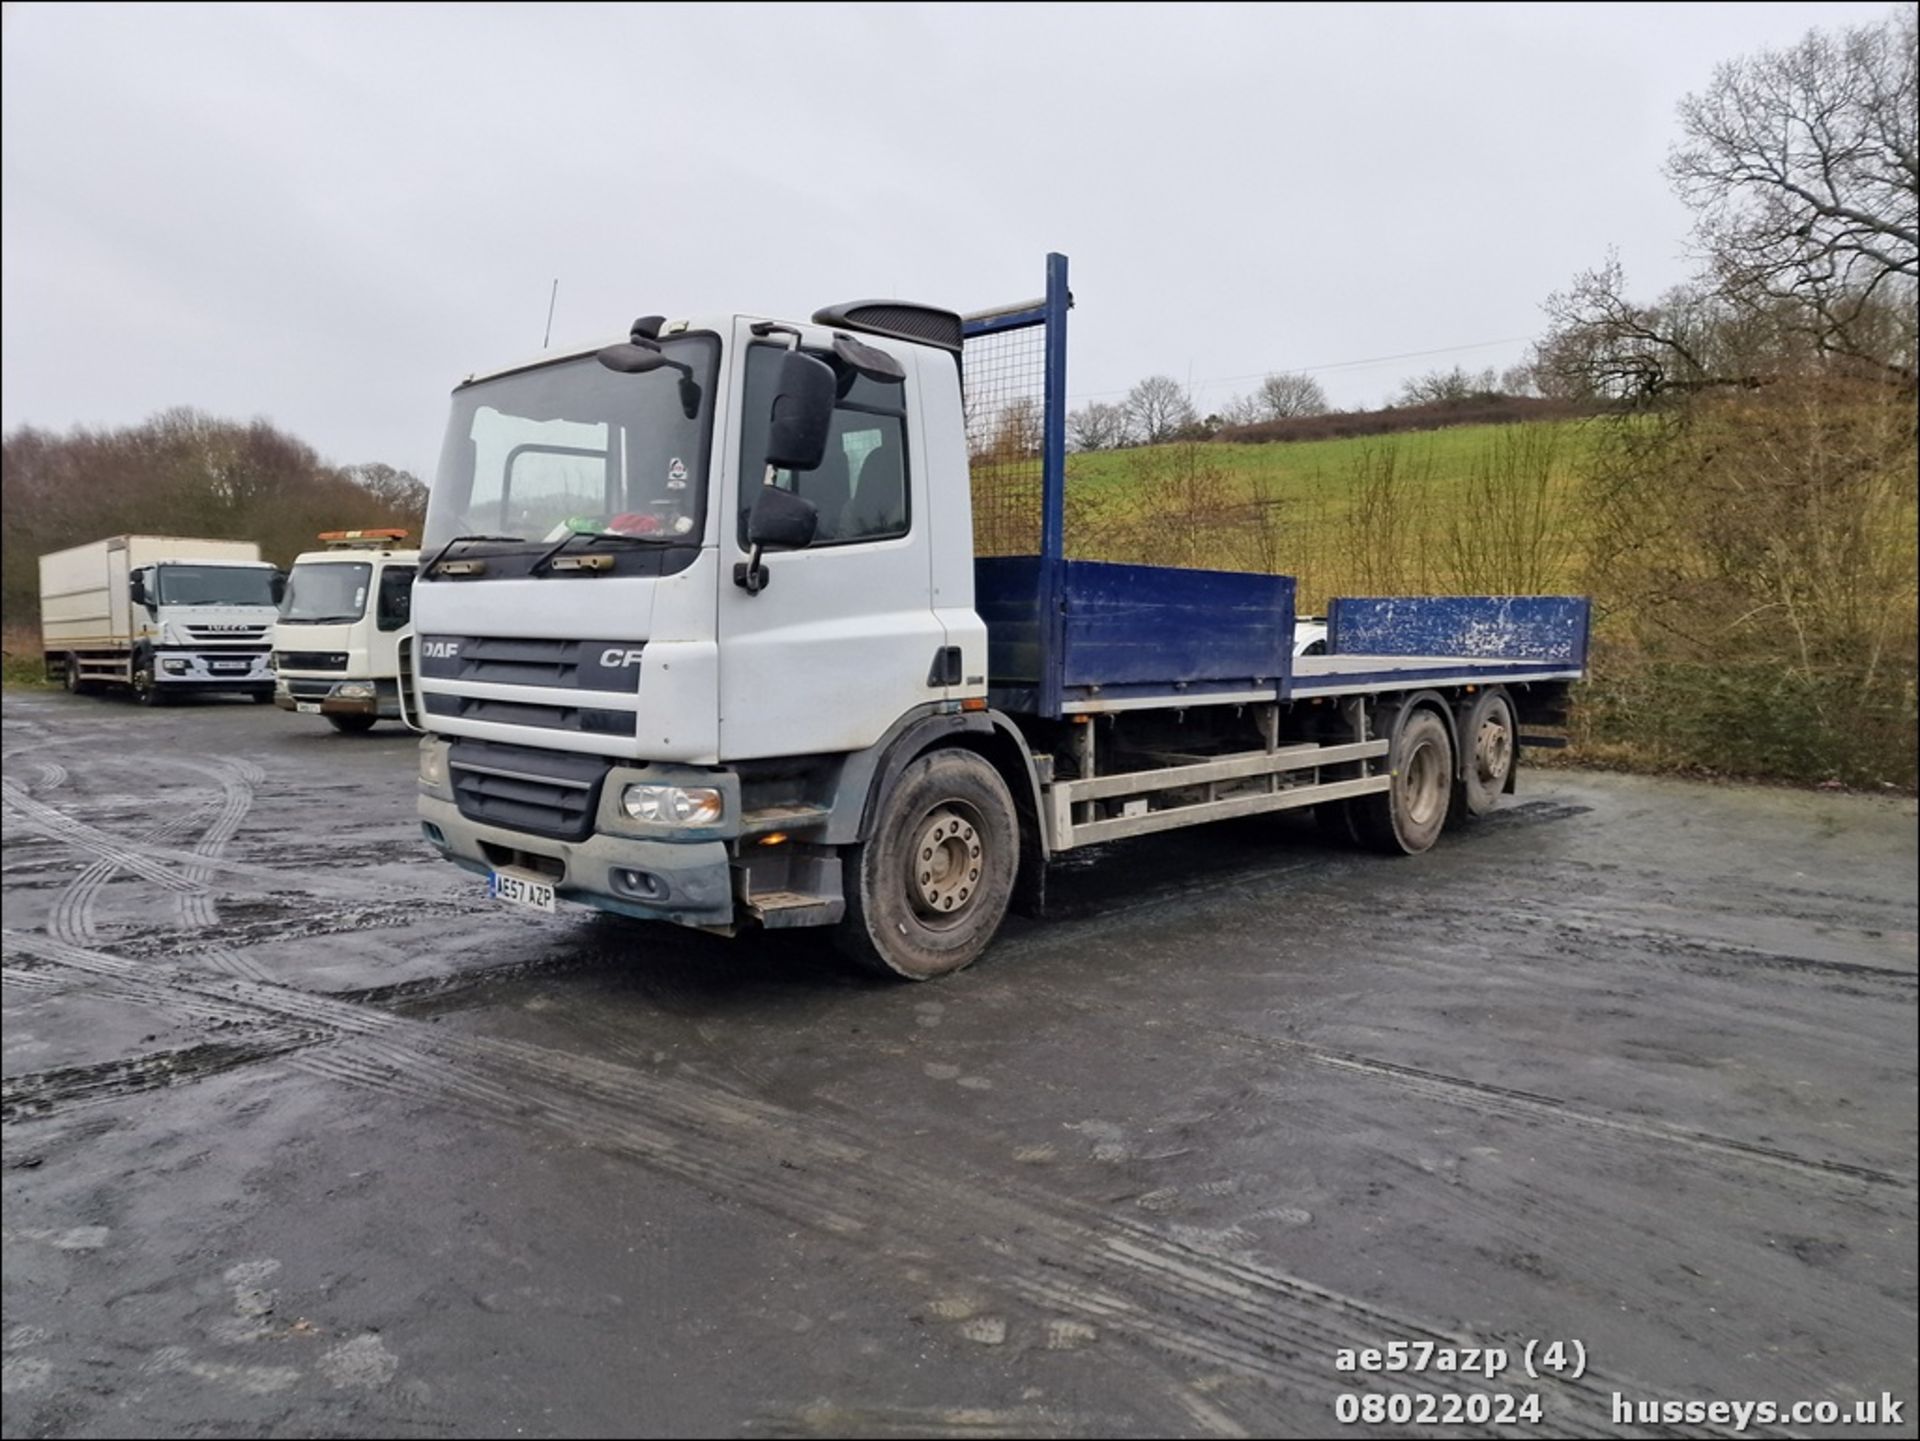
[
  {"x": 164, "y": 616},
  {"x": 336, "y": 647},
  {"x": 746, "y": 622}
]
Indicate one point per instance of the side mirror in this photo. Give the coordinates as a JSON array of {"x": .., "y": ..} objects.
[
  {"x": 630, "y": 358},
  {"x": 781, "y": 520},
  {"x": 279, "y": 586},
  {"x": 802, "y": 413},
  {"x": 137, "y": 588}
]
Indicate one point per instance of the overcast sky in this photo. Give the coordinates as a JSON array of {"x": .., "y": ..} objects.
[{"x": 327, "y": 215}]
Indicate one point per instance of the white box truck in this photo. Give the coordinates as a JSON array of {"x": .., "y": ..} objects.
[
  {"x": 163, "y": 615},
  {"x": 337, "y": 644}
]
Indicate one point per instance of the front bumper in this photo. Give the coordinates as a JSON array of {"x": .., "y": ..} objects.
[
  {"x": 205, "y": 670},
  {"x": 687, "y": 882},
  {"x": 294, "y": 691}
]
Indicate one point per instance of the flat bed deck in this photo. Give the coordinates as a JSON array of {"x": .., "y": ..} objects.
[{"x": 1316, "y": 675}]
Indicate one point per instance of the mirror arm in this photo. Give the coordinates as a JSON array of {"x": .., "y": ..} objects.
[{"x": 751, "y": 574}]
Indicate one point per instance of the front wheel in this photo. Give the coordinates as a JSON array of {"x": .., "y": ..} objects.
[
  {"x": 352, "y": 725},
  {"x": 145, "y": 690},
  {"x": 928, "y": 888}
]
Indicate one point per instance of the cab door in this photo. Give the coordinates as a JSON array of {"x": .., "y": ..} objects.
[{"x": 843, "y": 639}]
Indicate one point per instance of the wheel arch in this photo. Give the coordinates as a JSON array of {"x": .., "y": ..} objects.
[
  {"x": 1401, "y": 707},
  {"x": 990, "y": 734}
]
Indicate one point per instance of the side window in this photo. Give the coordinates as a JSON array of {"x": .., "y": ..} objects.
[
  {"x": 395, "y": 607},
  {"x": 860, "y": 486}
]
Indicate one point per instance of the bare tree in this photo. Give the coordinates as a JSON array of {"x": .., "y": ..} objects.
[
  {"x": 1097, "y": 426},
  {"x": 1803, "y": 166},
  {"x": 1520, "y": 379},
  {"x": 1242, "y": 410},
  {"x": 1446, "y": 387},
  {"x": 1018, "y": 430},
  {"x": 1290, "y": 394},
  {"x": 398, "y": 492},
  {"x": 1158, "y": 410}
]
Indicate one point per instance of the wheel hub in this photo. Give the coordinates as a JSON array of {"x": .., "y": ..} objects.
[
  {"x": 945, "y": 863},
  {"x": 1424, "y": 785},
  {"x": 1493, "y": 751}
]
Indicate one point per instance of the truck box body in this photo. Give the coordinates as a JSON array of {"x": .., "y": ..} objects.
[{"x": 208, "y": 626}]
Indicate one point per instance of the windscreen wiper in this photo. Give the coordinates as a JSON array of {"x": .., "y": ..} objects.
[
  {"x": 441, "y": 554},
  {"x": 546, "y": 556}
]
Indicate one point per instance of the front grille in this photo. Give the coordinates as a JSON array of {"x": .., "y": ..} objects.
[
  {"x": 545, "y": 793},
  {"x": 585, "y": 720},
  {"x": 310, "y": 659},
  {"x": 563, "y": 664},
  {"x": 207, "y": 633}
]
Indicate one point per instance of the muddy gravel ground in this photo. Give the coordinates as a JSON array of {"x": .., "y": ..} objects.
[{"x": 303, "y": 1136}]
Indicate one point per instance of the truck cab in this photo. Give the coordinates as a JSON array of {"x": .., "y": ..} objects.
[{"x": 337, "y": 640}]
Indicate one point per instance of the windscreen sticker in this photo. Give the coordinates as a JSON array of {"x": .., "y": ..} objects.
[{"x": 676, "y": 474}]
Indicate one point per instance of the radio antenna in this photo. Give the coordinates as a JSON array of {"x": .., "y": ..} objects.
[{"x": 552, "y": 296}]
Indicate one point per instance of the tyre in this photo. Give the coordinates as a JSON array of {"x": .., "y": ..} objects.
[
  {"x": 1489, "y": 740},
  {"x": 145, "y": 690},
  {"x": 70, "y": 679},
  {"x": 1336, "y": 822},
  {"x": 351, "y": 725},
  {"x": 928, "y": 888},
  {"x": 1408, "y": 817},
  {"x": 263, "y": 697}
]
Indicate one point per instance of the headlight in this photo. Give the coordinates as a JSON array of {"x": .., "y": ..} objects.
[
  {"x": 354, "y": 690},
  {"x": 432, "y": 768},
  {"x": 672, "y": 805},
  {"x": 173, "y": 667}
]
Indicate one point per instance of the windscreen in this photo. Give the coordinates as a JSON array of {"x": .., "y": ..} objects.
[
  {"x": 215, "y": 585},
  {"x": 576, "y": 446},
  {"x": 323, "y": 592}
]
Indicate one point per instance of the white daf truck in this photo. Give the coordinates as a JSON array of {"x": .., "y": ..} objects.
[
  {"x": 336, "y": 646},
  {"x": 162, "y": 615},
  {"x": 705, "y": 637}
]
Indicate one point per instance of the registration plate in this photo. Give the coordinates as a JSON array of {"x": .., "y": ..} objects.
[
  {"x": 307, "y": 707},
  {"x": 231, "y": 667},
  {"x": 520, "y": 889}
]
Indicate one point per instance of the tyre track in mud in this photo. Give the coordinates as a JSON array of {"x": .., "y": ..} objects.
[
  {"x": 1272, "y": 1330},
  {"x": 1487, "y": 1097},
  {"x": 72, "y": 918},
  {"x": 40, "y": 1093},
  {"x": 173, "y": 867}
]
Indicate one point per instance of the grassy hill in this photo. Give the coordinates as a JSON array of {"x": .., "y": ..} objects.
[
  {"x": 1752, "y": 566},
  {"x": 1486, "y": 508}
]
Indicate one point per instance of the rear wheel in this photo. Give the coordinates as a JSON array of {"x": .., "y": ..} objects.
[
  {"x": 1489, "y": 738},
  {"x": 350, "y": 724},
  {"x": 929, "y": 887},
  {"x": 1407, "y": 818},
  {"x": 70, "y": 677}
]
